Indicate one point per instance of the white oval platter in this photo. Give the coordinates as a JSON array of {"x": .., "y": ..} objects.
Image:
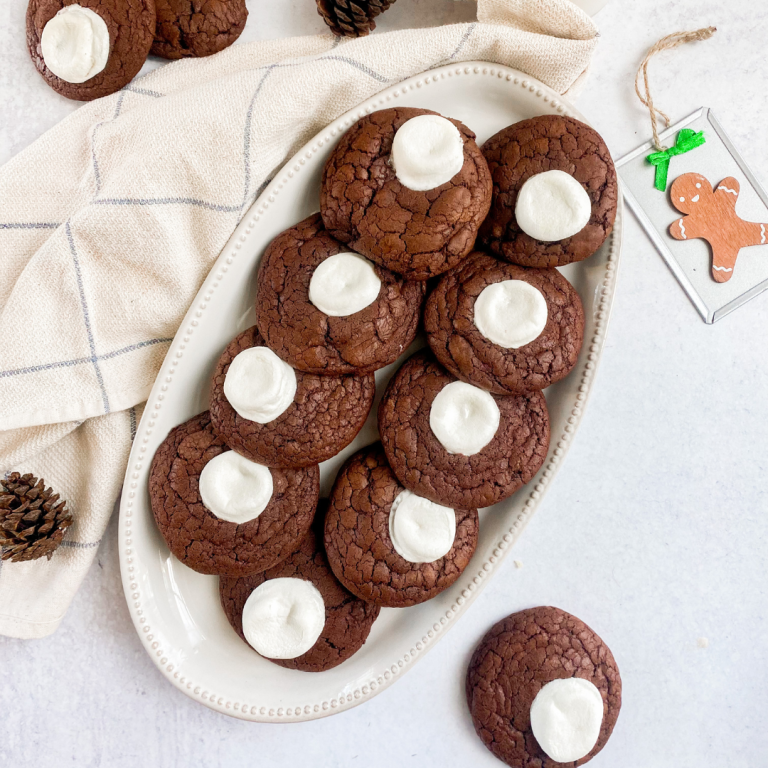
[{"x": 175, "y": 610}]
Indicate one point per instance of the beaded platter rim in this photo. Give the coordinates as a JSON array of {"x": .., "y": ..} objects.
[{"x": 472, "y": 582}]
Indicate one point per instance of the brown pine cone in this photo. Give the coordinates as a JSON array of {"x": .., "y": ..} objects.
[
  {"x": 351, "y": 18},
  {"x": 32, "y": 519}
]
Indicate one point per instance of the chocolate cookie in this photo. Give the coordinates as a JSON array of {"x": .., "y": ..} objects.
[
  {"x": 360, "y": 527},
  {"x": 515, "y": 661},
  {"x": 485, "y": 461},
  {"x": 197, "y": 27},
  {"x": 325, "y": 415},
  {"x": 203, "y": 540},
  {"x": 417, "y": 233},
  {"x": 348, "y": 620},
  {"x": 533, "y": 147},
  {"x": 307, "y": 337},
  {"x": 118, "y": 35},
  {"x": 534, "y": 319}
]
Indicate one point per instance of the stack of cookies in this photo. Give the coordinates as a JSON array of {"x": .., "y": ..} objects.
[{"x": 405, "y": 196}]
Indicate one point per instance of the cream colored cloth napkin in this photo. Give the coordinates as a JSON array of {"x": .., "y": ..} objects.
[{"x": 111, "y": 220}]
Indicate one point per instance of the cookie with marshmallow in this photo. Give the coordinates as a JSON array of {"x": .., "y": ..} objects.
[
  {"x": 388, "y": 545},
  {"x": 328, "y": 310},
  {"x": 275, "y": 415},
  {"x": 220, "y": 513},
  {"x": 456, "y": 444},
  {"x": 408, "y": 189},
  {"x": 89, "y": 48},
  {"x": 555, "y": 192},
  {"x": 298, "y": 614},
  {"x": 543, "y": 690},
  {"x": 504, "y": 328}
]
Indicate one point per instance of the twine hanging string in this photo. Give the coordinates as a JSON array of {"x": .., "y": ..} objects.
[
  {"x": 686, "y": 139},
  {"x": 665, "y": 44}
]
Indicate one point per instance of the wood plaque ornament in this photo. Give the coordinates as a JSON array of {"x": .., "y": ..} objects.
[{"x": 711, "y": 215}]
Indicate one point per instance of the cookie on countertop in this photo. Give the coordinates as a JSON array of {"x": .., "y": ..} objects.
[
  {"x": 326, "y": 310},
  {"x": 389, "y": 546},
  {"x": 456, "y": 444},
  {"x": 274, "y": 415},
  {"x": 543, "y": 690},
  {"x": 408, "y": 189},
  {"x": 315, "y": 624},
  {"x": 555, "y": 192},
  {"x": 197, "y": 27},
  {"x": 92, "y": 48},
  {"x": 222, "y": 514},
  {"x": 505, "y": 328}
]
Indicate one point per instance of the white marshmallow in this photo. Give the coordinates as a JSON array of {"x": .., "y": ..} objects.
[
  {"x": 464, "y": 418},
  {"x": 511, "y": 313},
  {"x": 282, "y": 618},
  {"x": 344, "y": 284},
  {"x": 259, "y": 385},
  {"x": 421, "y": 531},
  {"x": 566, "y": 716},
  {"x": 235, "y": 489},
  {"x": 552, "y": 206},
  {"x": 75, "y": 44},
  {"x": 427, "y": 151}
]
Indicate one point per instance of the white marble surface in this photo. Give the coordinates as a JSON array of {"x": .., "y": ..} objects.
[{"x": 655, "y": 531}]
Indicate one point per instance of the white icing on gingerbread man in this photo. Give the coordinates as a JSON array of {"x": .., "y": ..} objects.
[{"x": 711, "y": 216}]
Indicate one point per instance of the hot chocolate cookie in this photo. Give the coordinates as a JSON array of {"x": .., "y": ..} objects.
[
  {"x": 456, "y": 444},
  {"x": 274, "y": 415},
  {"x": 90, "y": 48},
  {"x": 297, "y": 614},
  {"x": 554, "y": 192},
  {"x": 543, "y": 690},
  {"x": 329, "y": 311},
  {"x": 408, "y": 189},
  {"x": 388, "y": 545},
  {"x": 505, "y": 328},
  {"x": 197, "y": 27},
  {"x": 222, "y": 514}
]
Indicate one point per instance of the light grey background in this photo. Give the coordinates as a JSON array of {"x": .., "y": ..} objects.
[{"x": 655, "y": 531}]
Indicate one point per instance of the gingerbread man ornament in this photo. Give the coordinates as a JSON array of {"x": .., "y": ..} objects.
[{"x": 711, "y": 216}]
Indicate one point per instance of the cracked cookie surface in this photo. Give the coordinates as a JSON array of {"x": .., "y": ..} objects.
[
  {"x": 326, "y": 414},
  {"x": 197, "y": 27},
  {"x": 131, "y": 25},
  {"x": 298, "y": 332},
  {"x": 467, "y": 354},
  {"x": 520, "y": 655},
  {"x": 548, "y": 143},
  {"x": 416, "y": 234},
  {"x": 206, "y": 543},
  {"x": 359, "y": 546},
  {"x": 348, "y": 620},
  {"x": 424, "y": 466}
]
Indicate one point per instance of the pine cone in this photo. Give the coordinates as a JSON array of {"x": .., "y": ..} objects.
[
  {"x": 32, "y": 519},
  {"x": 351, "y": 18}
]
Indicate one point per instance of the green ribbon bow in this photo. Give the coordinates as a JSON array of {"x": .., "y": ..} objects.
[{"x": 685, "y": 142}]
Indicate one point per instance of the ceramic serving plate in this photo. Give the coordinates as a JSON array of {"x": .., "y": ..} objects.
[{"x": 175, "y": 610}]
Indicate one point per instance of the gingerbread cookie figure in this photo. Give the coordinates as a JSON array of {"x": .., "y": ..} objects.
[{"x": 711, "y": 216}]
